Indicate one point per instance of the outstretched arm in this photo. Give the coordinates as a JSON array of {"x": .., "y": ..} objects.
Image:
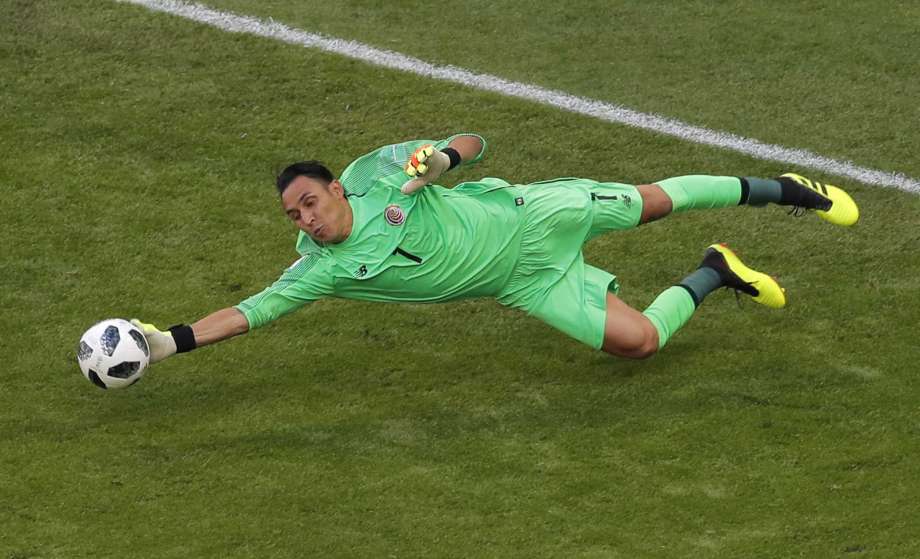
[
  {"x": 219, "y": 325},
  {"x": 428, "y": 163},
  {"x": 467, "y": 146},
  {"x": 215, "y": 327},
  {"x": 307, "y": 279}
]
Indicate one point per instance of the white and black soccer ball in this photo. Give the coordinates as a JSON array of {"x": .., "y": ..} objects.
[{"x": 113, "y": 354}]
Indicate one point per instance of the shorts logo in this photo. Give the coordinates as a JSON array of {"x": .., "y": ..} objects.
[
  {"x": 627, "y": 201},
  {"x": 519, "y": 201},
  {"x": 394, "y": 215},
  {"x": 362, "y": 271}
]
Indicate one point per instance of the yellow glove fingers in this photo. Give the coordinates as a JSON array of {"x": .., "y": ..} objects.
[
  {"x": 416, "y": 165},
  {"x": 145, "y": 328}
]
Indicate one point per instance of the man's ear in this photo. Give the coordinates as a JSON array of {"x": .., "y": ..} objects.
[{"x": 336, "y": 188}]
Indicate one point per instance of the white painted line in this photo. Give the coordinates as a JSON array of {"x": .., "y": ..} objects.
[{"x": 605, "y": 111}]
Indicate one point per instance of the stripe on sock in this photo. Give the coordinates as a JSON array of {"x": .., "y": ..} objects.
[{"x": 745, "y": 191}]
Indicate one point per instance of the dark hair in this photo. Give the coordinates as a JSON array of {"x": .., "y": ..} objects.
[{"x": 311, "y": 169}]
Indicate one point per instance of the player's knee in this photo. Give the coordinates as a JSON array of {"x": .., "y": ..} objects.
[
  {"x": 649, "y": 345},
  {"x": 643, "y": 351},
  {"x": 648, "y": 349},
  {"x": 640, "y": 343}
]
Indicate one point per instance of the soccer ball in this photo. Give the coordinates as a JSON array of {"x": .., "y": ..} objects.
[{"x": 113, "y": 354}]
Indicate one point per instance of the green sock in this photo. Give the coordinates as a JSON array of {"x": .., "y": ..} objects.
[
  {"x": 701, "y": 192},
  {"x": 669, "y": 311}
]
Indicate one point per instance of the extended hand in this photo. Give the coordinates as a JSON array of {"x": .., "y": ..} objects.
[
  {"x": 162, "y": 344},
  {"x": 425, "y": 166}
]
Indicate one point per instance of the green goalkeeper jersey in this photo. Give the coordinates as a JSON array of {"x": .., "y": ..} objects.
[{"x": 434, "y": 245}]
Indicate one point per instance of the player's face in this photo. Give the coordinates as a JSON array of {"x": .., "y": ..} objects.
[{"x": 321, "y": 211}]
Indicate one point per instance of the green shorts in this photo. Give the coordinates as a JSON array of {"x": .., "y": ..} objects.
[{"x": 551, "y": 280}]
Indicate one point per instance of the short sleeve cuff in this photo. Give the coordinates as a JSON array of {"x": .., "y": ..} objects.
[{"x": 250, "y": 314}]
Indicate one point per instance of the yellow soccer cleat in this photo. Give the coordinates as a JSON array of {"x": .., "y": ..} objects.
[
  {"x": 761, "y": 287},
  {"x": 840, "y": 210}
]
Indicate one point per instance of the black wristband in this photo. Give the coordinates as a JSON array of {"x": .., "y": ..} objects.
[
  {"x": 454, "y": 156},
  {"x": 184, "y": 337}
]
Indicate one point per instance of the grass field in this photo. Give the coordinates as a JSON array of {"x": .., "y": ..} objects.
[{"x": 136, "y": 170}]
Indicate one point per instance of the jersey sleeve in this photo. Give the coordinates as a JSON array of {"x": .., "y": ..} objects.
[
  {"x": 386, "y": 165},
  {"x": 306, "y": 280}
]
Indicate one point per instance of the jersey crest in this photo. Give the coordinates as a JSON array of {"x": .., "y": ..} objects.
[{"x": 394, "y": 215}]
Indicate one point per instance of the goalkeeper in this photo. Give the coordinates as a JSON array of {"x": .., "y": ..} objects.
[{"x": 385, "y": 231}]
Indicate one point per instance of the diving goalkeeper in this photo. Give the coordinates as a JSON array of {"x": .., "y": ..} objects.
[{"x": 386, "y": 231}]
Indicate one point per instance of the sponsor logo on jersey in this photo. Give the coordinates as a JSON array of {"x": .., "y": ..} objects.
[{"x": 394, "y": 215}]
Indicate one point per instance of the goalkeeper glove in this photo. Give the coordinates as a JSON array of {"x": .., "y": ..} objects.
[
  {"x": 426, "y": 165},
  {"x": 177, "y": 339}
]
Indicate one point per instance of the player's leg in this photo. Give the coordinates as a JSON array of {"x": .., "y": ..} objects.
[
  {"x": 693, "y": 192},
  {"x": 629, "y": 333},
  {"x": 619, "y": 206},
  {"x": 655, "y": 202}
]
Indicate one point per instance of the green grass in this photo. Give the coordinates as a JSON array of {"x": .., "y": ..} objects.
[
  {"x": 138, "y": 151},
  {"x": 735, "y": 66}
]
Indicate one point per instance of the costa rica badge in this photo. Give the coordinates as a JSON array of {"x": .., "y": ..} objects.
[{"x": 394, "y": 215}]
